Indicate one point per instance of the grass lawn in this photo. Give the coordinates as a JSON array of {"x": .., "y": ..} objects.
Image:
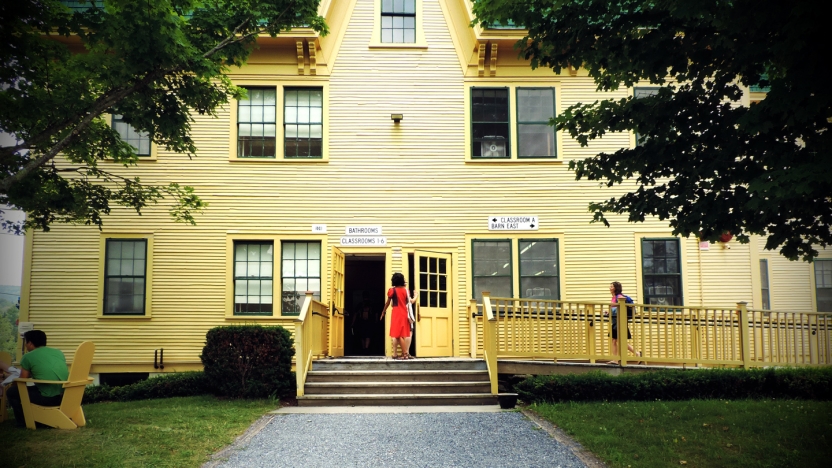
[
  {"x": 700, "y": 433},
  {"x": 176, "y": 432}
]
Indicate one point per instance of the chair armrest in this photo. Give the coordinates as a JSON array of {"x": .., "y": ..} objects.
[
  {"x": 78, "y": 383},
  {"x": 56, "y": 382}
]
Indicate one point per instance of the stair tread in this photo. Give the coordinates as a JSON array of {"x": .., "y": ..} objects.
[
  {"x": 397, "y": 384},
  {"x": 365, "y": 396},
  {"x": 386, "y": 371}
]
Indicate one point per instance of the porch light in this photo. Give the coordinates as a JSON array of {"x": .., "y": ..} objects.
[{"x": 396, "y": 117}]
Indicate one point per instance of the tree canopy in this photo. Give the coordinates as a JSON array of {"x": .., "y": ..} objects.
[
  {"x": 703, "y": 162},
  {"x": 154, "y": 63}
]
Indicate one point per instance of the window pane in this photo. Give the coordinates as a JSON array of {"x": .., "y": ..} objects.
[
  {"x": 540, "y": 287},
  {"x": 499, "y": 287},
  {"x": 535, "y": 105},
  {"x": 536, "y": 140},
  {"x": 301, "y": 272},
  {"x": 823, "y": 285}
]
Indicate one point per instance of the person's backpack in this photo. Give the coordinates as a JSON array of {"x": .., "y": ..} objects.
[{"x": 630, "y": 309}]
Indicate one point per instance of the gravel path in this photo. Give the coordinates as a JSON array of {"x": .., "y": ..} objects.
[{"x": 406, "y": 439}]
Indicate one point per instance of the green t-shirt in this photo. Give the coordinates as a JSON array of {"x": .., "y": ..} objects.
[{"x": 46, "y": 363}]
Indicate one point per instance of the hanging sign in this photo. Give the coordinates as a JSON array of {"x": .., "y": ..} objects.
[
  {"x": 363, "y": 241},
  {"x": 363, "y": 230},
  {"x": 512, "y": 223}
]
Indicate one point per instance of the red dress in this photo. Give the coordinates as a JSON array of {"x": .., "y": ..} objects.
[{"x": 399, "y": 324}]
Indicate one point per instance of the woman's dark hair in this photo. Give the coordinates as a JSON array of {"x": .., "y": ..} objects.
[
  {"x": 36, "y": 337},
  {"x": 617, "y": 287},
  {"x": 398, "y": 282}
]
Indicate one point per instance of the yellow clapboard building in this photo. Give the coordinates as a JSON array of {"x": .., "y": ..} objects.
[{"x": 404, "y": 141}]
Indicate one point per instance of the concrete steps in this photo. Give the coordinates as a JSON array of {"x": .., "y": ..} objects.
[{"x": 386, "y": 382}]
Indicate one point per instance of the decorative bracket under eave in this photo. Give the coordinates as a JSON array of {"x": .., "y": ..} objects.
[
  {"x": 481, "y": 60},
  {"x": 307, "y": 55},
  {"x": 493, "y": 68},
  {"x": 301, "y": 54},
  {"x": 486, "y": 55}
]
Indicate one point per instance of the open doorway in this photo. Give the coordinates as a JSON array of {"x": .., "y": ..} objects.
[{"x": 364, "y": 296}]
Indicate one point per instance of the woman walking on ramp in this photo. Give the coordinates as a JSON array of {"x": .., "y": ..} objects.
[
  {"x": 399, "y": 323},
  {"x": 616, "y": 291}
]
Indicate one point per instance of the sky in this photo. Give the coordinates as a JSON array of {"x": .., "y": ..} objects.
[
  {"x": 11, "y": 252},
  {"x": 11, "y": 246}
]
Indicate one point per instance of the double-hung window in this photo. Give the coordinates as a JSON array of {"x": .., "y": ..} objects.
[
  {"x": 303, "y": 122},
  {"x": 256, "y": 137},
  {"x": 539, "y": 268},
  {"x": 492, "y": 133},
  {"x": 300, "y": 124},
  {"x": 536, "y": 276},
  {"x": 253, "y": 277},
  {"x": 823, "y": 285},
  {"x": 661, "y": 271},
  {"x": 642, "y": 92},
  {"x": 301, "y": 272},
  {"x": 138, "y": 140},
  {"x": 398, "y": 21},
  {"x": 764, "y": 284},
  {"x": 125, "y": 274}
]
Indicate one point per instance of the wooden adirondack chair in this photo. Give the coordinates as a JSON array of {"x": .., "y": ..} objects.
[
  {"x": 69, "y": 414},
  {"x": 5, "y": 358}
]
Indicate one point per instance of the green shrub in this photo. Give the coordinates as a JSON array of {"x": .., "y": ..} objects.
[
  {"x": 811, "y": 383},
  {"x": 249, "y": 361},
  {"x": 164, "y": 386}
]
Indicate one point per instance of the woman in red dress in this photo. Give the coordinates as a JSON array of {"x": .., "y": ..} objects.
[{"x": 399, "y": 323}]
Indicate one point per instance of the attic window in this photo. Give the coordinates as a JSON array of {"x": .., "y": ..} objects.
[{"x": 398, "y": 21}]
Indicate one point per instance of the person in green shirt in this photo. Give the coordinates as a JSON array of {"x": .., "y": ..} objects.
[{"x": 42, "y": 363}]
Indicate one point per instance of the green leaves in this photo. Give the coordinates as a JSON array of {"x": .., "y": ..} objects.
[
  {"x": 155, "y": 63},
  {"x": 705, "y": 163}
]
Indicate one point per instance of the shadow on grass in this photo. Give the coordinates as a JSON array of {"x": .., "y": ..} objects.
[{"x": 172, "y": 432}]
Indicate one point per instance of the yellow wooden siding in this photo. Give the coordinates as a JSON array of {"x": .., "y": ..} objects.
[{"x": 411, "y": 178}]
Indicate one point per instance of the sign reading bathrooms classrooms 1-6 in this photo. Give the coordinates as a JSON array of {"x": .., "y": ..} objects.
[
  {"x": 363, "y": 236},
  {"x": 362, "y": 230},
  {"x": 512, "y": 223},
  {"x": 363, "y": 241}
]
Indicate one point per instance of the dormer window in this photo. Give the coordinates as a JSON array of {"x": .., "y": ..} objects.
[{"x": 398, "y": 21}]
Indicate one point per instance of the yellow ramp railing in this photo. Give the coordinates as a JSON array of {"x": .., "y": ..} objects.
[
  {"x": 311, "y": 337},
  {"x": 673, "y": 335}
]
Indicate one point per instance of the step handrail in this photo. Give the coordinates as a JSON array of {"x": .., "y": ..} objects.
[
  {"x": 489, "y": 340},
  {"x": 303, "y": 343}
]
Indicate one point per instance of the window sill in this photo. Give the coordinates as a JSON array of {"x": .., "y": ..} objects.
[
  {"x": 515, "y": 161},
  {"x": 271, "y": 318},
  {"x": 279, "y": 160},
  {"x": 398, "y": 45},
  {"x": 124, "y": 317}
]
